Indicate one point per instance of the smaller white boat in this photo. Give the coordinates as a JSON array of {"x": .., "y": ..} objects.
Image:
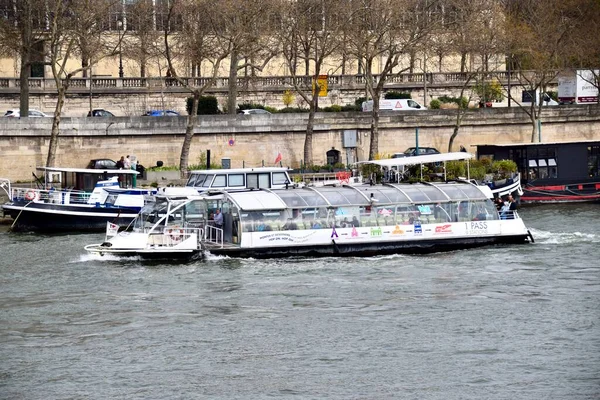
[{"x": 166, "y": 227}]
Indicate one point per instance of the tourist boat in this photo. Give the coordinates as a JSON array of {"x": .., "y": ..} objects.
[
  {"x": 553, "y": 172},
  {"x": 395, "y": 171},
  {"x": 353, "y": 220},
  {"x": 73, "y": 199}
]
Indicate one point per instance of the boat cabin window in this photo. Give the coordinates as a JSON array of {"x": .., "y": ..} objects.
[
  {"x": 200, "y": 180},
  {"x": 280, "y": 178},
  {"x": 220, "y": 181},
  {"x": 258, "y": 181},
  {"x": 236, "y": 180}
]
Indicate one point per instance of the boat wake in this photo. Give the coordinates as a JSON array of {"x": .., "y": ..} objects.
[
  {"x": 547, "y": 237},
  {"x": 107, "y": 257}
]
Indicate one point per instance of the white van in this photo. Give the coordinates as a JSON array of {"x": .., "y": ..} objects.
[{"x": 394, "y": 105}]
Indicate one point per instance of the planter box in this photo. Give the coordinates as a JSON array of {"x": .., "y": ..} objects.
[{"x": 158, "y": 176}]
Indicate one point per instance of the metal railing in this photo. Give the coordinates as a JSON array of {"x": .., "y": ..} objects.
[
  {"x": 49, "y": 196},
  {"x": 262, "y": 82},
  {"x": 213, "y": 235}
]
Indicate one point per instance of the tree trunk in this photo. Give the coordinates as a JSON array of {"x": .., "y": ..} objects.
[
  {"x": 24, "y": 80},
  {"x": 535, "y": 134},
  {"x": 53, "y": 146},
  {"x": 26, "y": 48},
  {"x": 232, "y": 85},
  {"x": 189, "y": 135},
  {"x": 452, "y": 137},
  {"x": 374, "y": 143},
  {"x": 308, "y": 140}
]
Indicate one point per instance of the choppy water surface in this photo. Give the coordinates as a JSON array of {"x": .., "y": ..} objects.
[{"x": 515, "y": 322}]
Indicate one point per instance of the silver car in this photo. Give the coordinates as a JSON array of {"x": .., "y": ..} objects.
[{"x": 32, "y": 113}]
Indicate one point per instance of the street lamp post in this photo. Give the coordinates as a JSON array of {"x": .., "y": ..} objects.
[{"x": 120, "y": 26}]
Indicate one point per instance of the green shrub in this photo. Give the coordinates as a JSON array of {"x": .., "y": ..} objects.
[
  {"x": 332, "y": 108},
  {"x": 207, "y": 105},
  {"x": 462, "y": 102},
  {"x": 164, "y": 168},
  {"x": 435, "y": 104},
  {"x": 392, "y": 94},
  {"x": 201, "y": 163},
  {"x": 293, "y": 110},
  {"x": 352, "y": 107},
  {"x": 489, "y": 91},
  {"x": 358, "y": 102}
]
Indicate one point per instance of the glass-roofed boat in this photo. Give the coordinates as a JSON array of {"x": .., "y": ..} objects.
[{"x": 357, "y": 220}]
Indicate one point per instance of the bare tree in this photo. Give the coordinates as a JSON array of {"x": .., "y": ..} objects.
[
  {"x": 191, "y": 34},
  {"x": 382, "y": 32},
  {"x": 143, "y": 40},
  {"x": 540, "y": 34},
  {"x": 68, "y": 23},
  {"x": 585, "y": 45},
  {"x": 484, "y": 20},
  {"x": 21, "y": 33},
  {"x": 248, "y": 26},
  {"x": 310, "y": 35}
]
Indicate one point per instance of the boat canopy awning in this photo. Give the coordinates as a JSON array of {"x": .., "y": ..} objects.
[
  {"x": 425, "y": 159},
  {"x": 355, "y": 196},
  {"x": 89, "y": 171}
]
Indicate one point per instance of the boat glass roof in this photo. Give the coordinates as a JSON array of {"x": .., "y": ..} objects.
[
  {"x": 302, "y": 198},
  {"x": 385, "y": 194},
  {"x": 342, "y": 196},
  {"x": 353, "y": 196}
]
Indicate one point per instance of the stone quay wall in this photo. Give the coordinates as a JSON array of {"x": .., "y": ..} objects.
[{"x": 254, "y": 140}]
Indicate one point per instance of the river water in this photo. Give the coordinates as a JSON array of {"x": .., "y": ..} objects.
[{"x": 511, "y": 322}]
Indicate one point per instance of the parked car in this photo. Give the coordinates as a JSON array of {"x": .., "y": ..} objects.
[
  {"x": 254, "y": 111},
  {"x": 161, "y": 113},
  {"x": 412, "y": 151},
  {"x": 100, "y": 112},
  {"x": 32, "y": 113},
  {"x": 102, "y": 163}
]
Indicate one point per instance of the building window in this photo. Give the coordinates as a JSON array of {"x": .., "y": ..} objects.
[
  {"x": 594, "y": 161},
  {"x": 542, "y": 163}
]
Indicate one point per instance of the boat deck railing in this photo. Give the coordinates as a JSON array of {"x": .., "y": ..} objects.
[
  {"x": 5, "y": 186},
  {"x": 213, "y": 235},
  {"x": 172, "y": 236},
  {"x": 65, "y": 196}
]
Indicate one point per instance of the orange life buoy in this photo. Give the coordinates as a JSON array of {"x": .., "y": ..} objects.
[
  {"x": 175, "y": 234},
  {"x": 30, "y": 195}
]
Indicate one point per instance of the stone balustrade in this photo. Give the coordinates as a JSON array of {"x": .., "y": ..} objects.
[{"x": 109, "y": 84}]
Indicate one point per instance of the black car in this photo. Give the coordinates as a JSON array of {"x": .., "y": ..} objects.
[
  {"x": 100, "y": 112},
  {"x": 412, "y": 151},
  {"x": 102, "y": 163}
]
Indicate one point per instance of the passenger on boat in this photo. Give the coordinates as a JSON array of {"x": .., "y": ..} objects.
[
  {"x": 499, "y": 203},
  {"x": 355, "y": 222},
  {"x": 263, "y": 227},
  {"x": 345, "y": 223},
  {"x": 218, "y": 219},
  {"x": 290, "y": 225},
  {"x": 481, "y": 215},
  {"x": 316, "y": 225}
]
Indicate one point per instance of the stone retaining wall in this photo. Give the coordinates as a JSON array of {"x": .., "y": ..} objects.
[{"x": 254, "y": 140}]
